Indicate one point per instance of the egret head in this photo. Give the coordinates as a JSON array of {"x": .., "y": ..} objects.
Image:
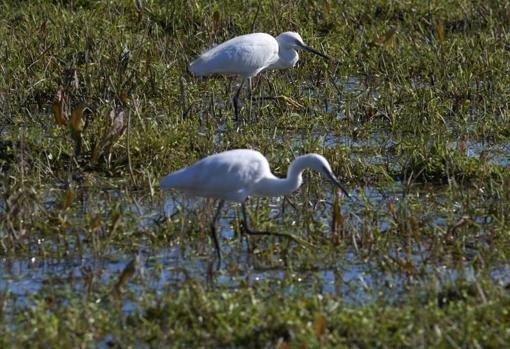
[
  {"x": 319, "y": 163},
  {"x": 292, "y": 40}
]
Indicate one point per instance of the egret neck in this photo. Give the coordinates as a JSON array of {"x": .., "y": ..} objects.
[
  {"x": 274, "y": 186},
  {"x": 287, "y": 56}
]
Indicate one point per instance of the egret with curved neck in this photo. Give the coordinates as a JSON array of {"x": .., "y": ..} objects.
[
  {"x": 248, "y": 55},
  {"x": 236, "y": 174}
]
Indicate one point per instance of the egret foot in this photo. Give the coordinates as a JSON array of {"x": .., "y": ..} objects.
[
  {"x": 287, "y": 100},
  {"x": 246, "y": 229}
]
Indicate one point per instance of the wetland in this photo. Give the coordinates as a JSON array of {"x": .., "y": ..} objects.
[{"x": 412, "y": 112}]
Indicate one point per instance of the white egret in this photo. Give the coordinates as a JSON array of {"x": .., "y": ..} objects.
[
  {"x": 248, "y": 55},
  {"x": 236, "y": 174}
]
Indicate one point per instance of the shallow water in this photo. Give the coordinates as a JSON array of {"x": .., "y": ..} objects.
[
  {"x": 347, "y": 272},
  {"x": 498, "y": 153}
]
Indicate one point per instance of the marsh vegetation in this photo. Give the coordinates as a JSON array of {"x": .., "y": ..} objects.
[{"x": 412, "y": 112}]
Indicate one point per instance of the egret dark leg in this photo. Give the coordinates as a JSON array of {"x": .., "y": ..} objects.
[
  {"x": 236, "y": 99},
  {"x": 251, "y": 99},
  {"x": 213, "y": 230}
]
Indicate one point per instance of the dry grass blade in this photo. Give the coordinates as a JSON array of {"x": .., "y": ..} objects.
[
  {"x": 68, "y": 199},
  {"x": 440, "y": 31},
  {"x": 216, "y": 21},
  {"x": 117, "y": 127},
  {"x": 388, "y": 38},
  {"x": 284, "y": 345},
  {"x": 58, "y": 107},
  {"x": 319, "y": 326},
  {"x": 76, "y": 124},
  {"x": 138, "y": 5},
  {"x": 126, "y": 274},
  {"x": 115, "y": 131},
  {"x": 76, "y": 121},
  {"x": 289, "y": 101}
]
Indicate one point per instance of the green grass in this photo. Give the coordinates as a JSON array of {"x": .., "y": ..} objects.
[
  {"x": 194, "y": 316},
  {"x": 409, "y": 112}
]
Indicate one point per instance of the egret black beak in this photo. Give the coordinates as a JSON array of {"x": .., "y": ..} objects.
[
  {"x": 333, "y": 179},
  {"x": 309, "y": 49}
]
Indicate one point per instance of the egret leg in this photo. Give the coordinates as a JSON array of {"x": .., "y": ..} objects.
[
  {"x": 213, "y": 230},
  {"x": 251, "y": 99},
  {"x": 236, "y": 99}
]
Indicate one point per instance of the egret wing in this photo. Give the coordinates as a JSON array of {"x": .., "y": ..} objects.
[
  {"x": 244, "y": 55},
  {"x": 229, "y": 175}
]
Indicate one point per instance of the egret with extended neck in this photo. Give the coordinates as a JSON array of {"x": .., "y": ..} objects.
[{"x": 236, "y": 174}]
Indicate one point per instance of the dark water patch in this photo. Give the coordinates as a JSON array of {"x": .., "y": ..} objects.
[
  {"x": 350, "y": 91},
  {"x": 497, "y": 153},
  {"x": 377, "y": 140}
]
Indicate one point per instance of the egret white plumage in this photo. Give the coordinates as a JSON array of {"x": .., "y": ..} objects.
[
  {"x": 236, "y": 174},
  {"x": 248, "y": 55}
]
